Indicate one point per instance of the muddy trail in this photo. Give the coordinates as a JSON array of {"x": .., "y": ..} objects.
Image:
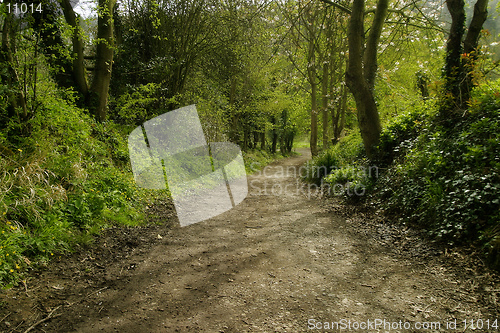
[{"x": 281, "y": 261}]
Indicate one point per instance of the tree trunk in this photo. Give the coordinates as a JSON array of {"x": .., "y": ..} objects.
[
  {"x": 15, "y": 96},
  {"x": 461, "y": 56},
  {"x": 339, "y": 118},
  {"x": 453, "y": 70},
  {"x": 370, "y": 56},
  {"x": 234, "y": 136},
  {"x": 470, "y": 48},
  {"x": 311, "y": 72},
  {"x": 79, "y": 73},
  {"x": 343, "y": 111},
  {"x": 335, "y": 122},
  {"x": 263, "y": 140},
  {"x": 311, "y": 76},
  {"x": 283, "y": 143},
  {"x": 359, "y": 80},
  {"x": 245, "y": 138},
  {"x": 314, "y": 121},
  {"x": 476, "y": 25},
  {"x": 368, "y": 120},
  {"x": 275, "y": 135},
  {"x": 104, "y": 58},
  {"x": 324, "y": 106}
]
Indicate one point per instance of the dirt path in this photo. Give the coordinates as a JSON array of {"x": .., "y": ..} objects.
[{"x": 278, "y": 262}]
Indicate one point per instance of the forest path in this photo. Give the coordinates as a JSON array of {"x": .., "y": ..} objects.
[{"x": 278, "y": 262}]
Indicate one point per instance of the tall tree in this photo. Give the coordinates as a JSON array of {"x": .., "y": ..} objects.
[
  {"x": 338, "y": 118},
  {"x": 95, "y": 96},
  {"x": 362, "y": 63},
  {"x": 361, "y": 70},
  {"x": 45, "y": 23},
  {"x": 104, "y": 58},
  {"x": 461, "y": 54},
  {"x": 307, "y": 27},
  {"x": 78, "y": 71},
  {"x": 311, "y": 24},
  {"x": 335, "y": 57}
]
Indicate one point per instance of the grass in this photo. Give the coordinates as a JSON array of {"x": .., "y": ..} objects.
[
  {"x": 302, "y": 141},
  {"x": 68, "y": 180},
  {"x": 255, "y": 160}
]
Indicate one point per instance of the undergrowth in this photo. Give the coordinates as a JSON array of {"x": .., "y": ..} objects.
[
  {"x": 257, "y": 159},
  {"x": 65, "y": 182},
  {"x": 449, "y": 179},
  {"x": 342, "y": 169}
]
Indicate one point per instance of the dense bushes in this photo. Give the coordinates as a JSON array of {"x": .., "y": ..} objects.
[
  {"x": 400, "y": 134},
  {"x": 67, "y": 180},
  {"x": 257, "y": 159},
  {"x": 449, "y": 180},
  {"x": 343, "y": 168}
]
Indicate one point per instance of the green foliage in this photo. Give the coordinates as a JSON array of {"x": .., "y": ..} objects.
[
  {"x": 401, "y": 133},
  {"x": 448, "y": 181},
  {"x": 69, "y": 179},
  {"x": 343, "y": 169},
  {"x": 257, "y": 159},
  {"x": 140, "y": 103},
  {"x": 343, "y": 155},
  {"x": 211, "y": 112},
  {"x": 321, "y": 166},
  {"x": 407, "y": 70},
  {"x": 444, "y": 180},
  {"x": 11, "y": 260},
  {"x": 352, "y": 181},
  {"x": 32, "y": 225}
]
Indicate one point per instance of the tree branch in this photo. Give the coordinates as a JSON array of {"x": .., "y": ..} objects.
[
  {"x": 475, "y": 26},
  {"x": 337, "y": 5},
  {"x": 370, "y": 56}
]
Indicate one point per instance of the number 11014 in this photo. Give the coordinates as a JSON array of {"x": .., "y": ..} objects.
[{"x": 23, "y": 8}]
